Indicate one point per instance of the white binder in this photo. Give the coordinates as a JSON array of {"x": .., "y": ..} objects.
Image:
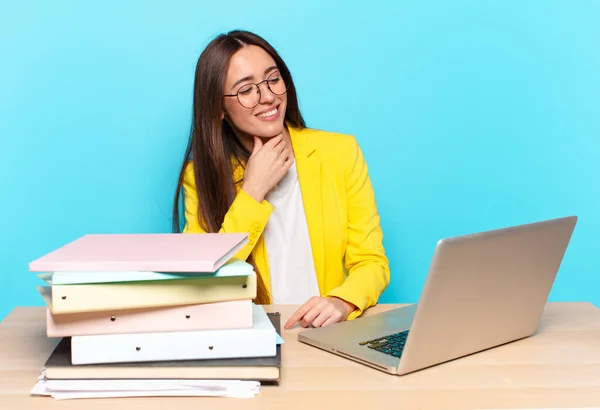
[{"x": 258, "y": 341}]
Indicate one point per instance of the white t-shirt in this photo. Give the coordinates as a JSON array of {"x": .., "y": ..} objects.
[{"x": 291, "y": 266}]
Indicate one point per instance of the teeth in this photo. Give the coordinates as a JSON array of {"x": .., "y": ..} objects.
[{"x": 268, "y": 114}]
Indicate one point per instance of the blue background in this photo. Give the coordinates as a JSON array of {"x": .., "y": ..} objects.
[{"x": 472, "y": 115}]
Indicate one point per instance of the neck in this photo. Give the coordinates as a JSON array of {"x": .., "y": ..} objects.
[{"x": 248, "y": 140}]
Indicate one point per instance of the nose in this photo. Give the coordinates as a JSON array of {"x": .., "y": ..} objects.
[{"x": 266, "y": 96}]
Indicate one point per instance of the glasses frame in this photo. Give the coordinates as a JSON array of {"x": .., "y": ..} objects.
[{"x": 257, "y": 85}]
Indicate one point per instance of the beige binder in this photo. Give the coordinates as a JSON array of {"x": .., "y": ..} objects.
[{"x": 132, "y": 295}]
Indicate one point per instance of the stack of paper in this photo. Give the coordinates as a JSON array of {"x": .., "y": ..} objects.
[{"x": 153, "y": 299}]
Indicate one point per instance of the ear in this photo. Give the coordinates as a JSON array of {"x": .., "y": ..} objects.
[{"x": 222, "y": 115}]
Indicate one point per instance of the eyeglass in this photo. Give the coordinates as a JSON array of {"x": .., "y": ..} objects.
[{"x": 249, "y": 95}]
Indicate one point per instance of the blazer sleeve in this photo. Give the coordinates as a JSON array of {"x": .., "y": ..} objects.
[
  {"x": 244, "y": 215},
  {"x": 366, "y": 262}
]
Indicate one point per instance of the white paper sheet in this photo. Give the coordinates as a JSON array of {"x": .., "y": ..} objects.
[{"x": 79, "y": 389}]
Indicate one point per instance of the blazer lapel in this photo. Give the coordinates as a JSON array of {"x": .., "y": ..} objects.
[{"x": 308, "y": 165}]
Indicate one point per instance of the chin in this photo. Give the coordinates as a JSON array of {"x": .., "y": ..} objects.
[{"x": 267, "y": 129}]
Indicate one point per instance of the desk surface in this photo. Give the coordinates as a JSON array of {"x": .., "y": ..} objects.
[{"x": 558, "y": 367}]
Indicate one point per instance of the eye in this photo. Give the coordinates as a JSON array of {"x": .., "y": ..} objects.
[
  {"x": 245, "y": 90},
  {"x": 274, "y": 79}
]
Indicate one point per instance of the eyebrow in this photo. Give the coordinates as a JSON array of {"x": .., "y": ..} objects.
[{"x": 250, "y": 77}]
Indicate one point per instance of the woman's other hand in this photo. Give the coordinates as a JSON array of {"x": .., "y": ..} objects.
[{"x": 320, "y": 311}]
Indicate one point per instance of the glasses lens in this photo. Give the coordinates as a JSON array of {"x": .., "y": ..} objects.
[
  {"x": 249, "y": 96},
  {"x": 276, "y": 83}
]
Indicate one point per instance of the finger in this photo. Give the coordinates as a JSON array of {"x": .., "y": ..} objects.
[
  {"x": 307, "y": 321},
  {"x": 323, "y": 316},
  {"x": 300, "y": 313},
  {"x": 278, "y": 143},
  {"x": 286, "y": 153},
  {"x": 287, "y": 164},
  {"x": 275, "y": 141},
  {"x": 257, "y": 145},
  {"x": 332, "y": 319},
  {"x": 275, "y": 159},
  {"x": 312, "y": 314},
  {"x": 279, "y": 148}
]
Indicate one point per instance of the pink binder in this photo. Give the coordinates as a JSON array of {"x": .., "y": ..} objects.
[
  {"x": 166, "y": 252},
  {"x": 226, "y": 315}
]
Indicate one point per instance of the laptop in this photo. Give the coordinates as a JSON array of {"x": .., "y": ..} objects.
[{"x": 482, "y": 290}]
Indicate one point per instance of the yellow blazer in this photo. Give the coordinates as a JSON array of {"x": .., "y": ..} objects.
[{"x": 341, "y": 214}]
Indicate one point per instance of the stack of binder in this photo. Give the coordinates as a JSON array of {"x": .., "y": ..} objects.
[{"x": 156, "y": 306}]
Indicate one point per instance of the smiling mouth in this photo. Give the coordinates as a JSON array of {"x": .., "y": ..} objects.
[{"x": 269, "y": 114}]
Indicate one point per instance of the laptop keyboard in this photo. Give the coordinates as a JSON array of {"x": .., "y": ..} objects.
[{"x": 391, "y": 344}]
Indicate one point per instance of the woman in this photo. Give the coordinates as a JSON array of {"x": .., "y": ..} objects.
[{"x": 303, "y": 195}]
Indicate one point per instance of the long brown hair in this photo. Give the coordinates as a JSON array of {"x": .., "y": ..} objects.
[{"x": 212, "y": 144}]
